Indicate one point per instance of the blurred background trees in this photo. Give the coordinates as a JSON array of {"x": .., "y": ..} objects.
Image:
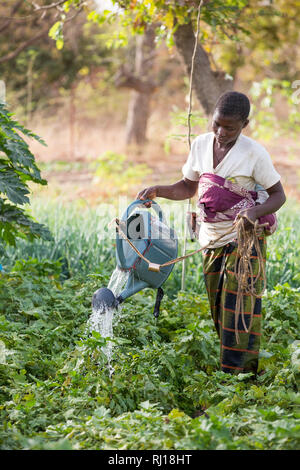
[{"x": 124, "y": 65}]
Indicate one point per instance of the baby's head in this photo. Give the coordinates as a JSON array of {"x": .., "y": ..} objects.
[{"x": 230, "y": 116}]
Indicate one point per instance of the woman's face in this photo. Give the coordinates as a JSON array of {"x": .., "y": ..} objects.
[{"x": 227, "y": 128}]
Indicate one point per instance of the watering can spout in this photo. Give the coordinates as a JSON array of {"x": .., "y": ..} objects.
[
  {"x": 132, "y": 287},
  {"x": 104, "y": 299}
]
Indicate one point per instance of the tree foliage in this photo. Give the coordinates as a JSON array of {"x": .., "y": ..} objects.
[
  {"x": 260, "y": 37},
  {"x": 48, "y": 71},
  {"x": 264, "y": 36}
]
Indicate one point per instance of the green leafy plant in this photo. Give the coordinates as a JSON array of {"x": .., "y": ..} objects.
[
  {"x": 264, "y": 122},
  {"x": 166, "y": 391},
  {"x": 17, "y": 169}
]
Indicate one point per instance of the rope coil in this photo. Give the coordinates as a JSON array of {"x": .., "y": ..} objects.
[{"x": 246, "y": 241}]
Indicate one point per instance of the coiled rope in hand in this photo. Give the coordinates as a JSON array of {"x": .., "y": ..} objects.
[{"x": 247, "y": 242}]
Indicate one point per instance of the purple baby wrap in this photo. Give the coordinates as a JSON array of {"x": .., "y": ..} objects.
[{"x": 221, "y": 200}]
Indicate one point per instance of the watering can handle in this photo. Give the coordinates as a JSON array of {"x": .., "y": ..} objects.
[
  {"x": 139, "y": 202},
  {"x": 125, "y": 217}
]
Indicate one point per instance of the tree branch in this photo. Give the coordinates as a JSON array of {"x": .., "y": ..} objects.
[
  {"x": 14, "y": 9},
  {"x": 16, "y": 52},
  {"x": 12, "y": 55},
  {"x": 125, "y": 79},
  {"x": 47, "y": 7}
]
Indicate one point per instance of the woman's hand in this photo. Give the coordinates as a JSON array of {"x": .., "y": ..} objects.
[
  {"x": 275, "y": 200},
  {"x": 250, "y": 214},
  {"x": 179, "y": 191},
  {"x": 147, "y": 193}
]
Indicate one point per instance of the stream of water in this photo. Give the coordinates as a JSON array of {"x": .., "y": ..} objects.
[{"x": 103, "y": 322}]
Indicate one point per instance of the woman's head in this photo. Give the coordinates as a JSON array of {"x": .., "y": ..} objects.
[{"x": 230, "y": 116}]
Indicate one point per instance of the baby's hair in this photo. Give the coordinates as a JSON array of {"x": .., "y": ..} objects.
[{"x": 233, "y": 103}]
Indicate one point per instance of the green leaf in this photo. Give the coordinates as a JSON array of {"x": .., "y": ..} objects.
[{"x": 17, "y": 168}]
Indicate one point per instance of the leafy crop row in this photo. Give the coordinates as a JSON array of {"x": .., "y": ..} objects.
[{"x": 167, "y": 391}]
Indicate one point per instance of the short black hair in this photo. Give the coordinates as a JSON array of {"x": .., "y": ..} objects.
[{"x": 233, "y": 103}]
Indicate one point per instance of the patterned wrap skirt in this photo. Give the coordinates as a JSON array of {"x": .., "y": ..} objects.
[{"x": 222, "y": 285}]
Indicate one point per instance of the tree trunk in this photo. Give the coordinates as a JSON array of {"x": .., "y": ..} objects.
[
  {"x": 137, "y": 118},
  {"x": 142, "y": 82},
  {"x": 207, "y": 84}
]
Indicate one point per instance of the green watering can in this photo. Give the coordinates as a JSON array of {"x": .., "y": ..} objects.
[{"x": 152, "y": 238}]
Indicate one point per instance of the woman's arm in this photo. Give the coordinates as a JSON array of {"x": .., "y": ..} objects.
[
  {"x": 183, "y": 189},
  {"x": 275, "y": 200}
]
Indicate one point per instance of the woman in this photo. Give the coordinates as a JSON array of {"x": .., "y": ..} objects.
[{"x": 227, "y": 167}]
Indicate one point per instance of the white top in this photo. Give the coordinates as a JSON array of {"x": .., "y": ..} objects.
[{"x": 247, "y": 163}]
